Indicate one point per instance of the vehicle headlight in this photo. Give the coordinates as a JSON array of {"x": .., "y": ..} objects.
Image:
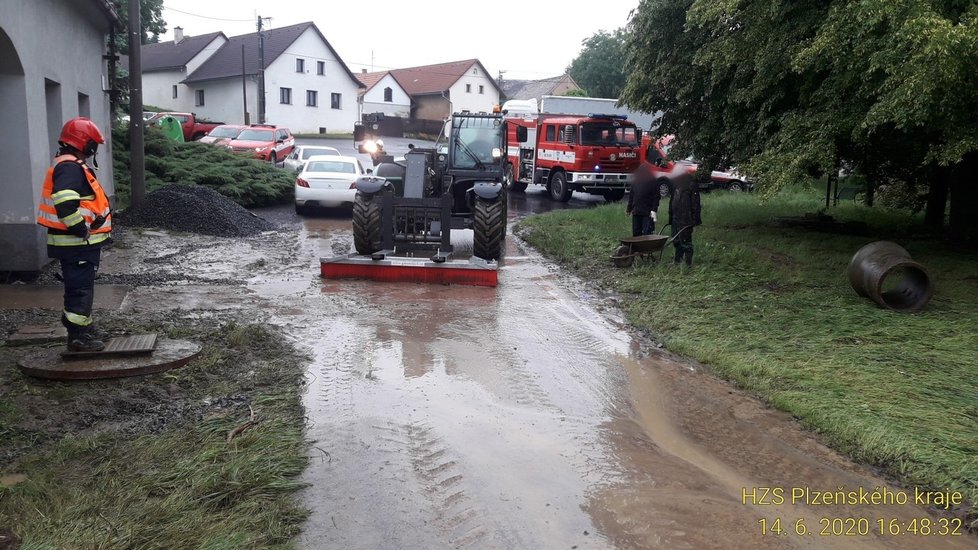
[
  {"x": 497, "y": 152},
  {"x": 370, "y": 146},
  {"x": 380, "y": 144}
]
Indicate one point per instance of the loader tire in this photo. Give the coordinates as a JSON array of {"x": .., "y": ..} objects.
[
  {"x": 489, "y": 227},
  {"x": 366, "y": 223}
]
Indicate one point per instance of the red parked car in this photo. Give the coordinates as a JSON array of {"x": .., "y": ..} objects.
[
  {"x": 223, "y": 134},
  {"x": 265, "y": 141},
  {"x": 656, "y": 153}
]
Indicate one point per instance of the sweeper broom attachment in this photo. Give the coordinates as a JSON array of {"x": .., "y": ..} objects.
[{"x": 472, "y": 272}]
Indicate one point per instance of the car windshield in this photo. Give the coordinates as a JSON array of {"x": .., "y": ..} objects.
[
  {"x": 607, "y": 133},
  {"x": 339, "y": 166},
  {"x": 225, "y": 132},
  {"x": 256, "y": 135},
  {"x": 312, "y": 151}
]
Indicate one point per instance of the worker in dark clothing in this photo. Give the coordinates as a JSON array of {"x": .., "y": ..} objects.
[
  {"x": 684, "y": 215},
  {"x": 75, "y": 211},
  {"x": 643, "y": 201}
]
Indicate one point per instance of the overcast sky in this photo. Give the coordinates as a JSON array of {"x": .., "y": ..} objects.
[{"x": 528, "y": 39}]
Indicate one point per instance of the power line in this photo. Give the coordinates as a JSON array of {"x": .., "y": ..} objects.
[{"x": 208, "y": 17}]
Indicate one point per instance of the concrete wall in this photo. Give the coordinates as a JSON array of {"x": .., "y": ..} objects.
[
  {"x": 61, "y": 76},
  {"x": 400, "y": 104},
  {"x": 223, "y": 101},
  {"x": 299, "y": 117},
  {"x": 158, "y": 90},
  {"x": 472, "y": 100}
]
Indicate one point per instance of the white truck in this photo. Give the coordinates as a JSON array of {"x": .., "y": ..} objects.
[{"x": 569, "y": 105}]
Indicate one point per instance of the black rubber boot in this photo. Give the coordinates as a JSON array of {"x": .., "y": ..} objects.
[{"x": 84, "y": 341}]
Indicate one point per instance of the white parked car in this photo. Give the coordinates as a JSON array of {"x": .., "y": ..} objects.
[
  {"x": 327, "y": 181},
  {"x": 302, "y": 153}
]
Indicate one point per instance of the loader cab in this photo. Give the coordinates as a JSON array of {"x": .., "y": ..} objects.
[{"x": 477, "y": 143}]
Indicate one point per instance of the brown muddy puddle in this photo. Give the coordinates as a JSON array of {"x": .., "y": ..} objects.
[{"x": 521, "y": 417}]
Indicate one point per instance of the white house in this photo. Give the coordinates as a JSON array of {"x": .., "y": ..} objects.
[
  {"x": 166, "y": 64},
  {"x": 438, "y": 90},
  {"x": 384, "y": 94},
  {"x": 51, "y": 70},
  {"x": 308, "y": 87}
]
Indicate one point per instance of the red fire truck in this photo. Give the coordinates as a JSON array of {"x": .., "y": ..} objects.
[{"x": 593, "y": 153}]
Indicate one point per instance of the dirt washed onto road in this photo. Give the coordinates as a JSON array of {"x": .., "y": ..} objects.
[
  {"x": 525, "y": 416},
  {"x": 530, "y": 416}
]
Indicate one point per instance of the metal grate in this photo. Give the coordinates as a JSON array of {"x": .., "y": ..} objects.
[{"x": 120, "y": 345}]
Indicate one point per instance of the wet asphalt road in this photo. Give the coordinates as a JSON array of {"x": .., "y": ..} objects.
[{"x": 530, "y": 416}]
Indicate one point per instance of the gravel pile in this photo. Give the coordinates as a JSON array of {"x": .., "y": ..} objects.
[{"x": 194, "y": 209}]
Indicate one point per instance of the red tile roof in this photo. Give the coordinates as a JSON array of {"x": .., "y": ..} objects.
[
  {"x": 371, "y": 79},
  {"x": 435, "y": 79}
]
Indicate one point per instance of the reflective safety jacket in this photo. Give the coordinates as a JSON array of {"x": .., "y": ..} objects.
[{"x": 90, "y": 207}]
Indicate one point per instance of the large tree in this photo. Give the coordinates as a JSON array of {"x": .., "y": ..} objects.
[
  {"x": 788, "y": 89},
  {"x": 600, "y": 67}
]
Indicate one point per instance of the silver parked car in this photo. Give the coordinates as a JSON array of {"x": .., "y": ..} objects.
[{"x": 301, "y": 154}]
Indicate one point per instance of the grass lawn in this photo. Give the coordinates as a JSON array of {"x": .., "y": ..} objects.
[
  {"x": 771, "y": 308},
  {"x": 146, "y": 462}
]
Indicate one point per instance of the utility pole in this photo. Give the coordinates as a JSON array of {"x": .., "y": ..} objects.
[
  {"x": 261, "y": 73},
  {"x": 244, "y": 85},
  {"x": 137, "y": 155}
]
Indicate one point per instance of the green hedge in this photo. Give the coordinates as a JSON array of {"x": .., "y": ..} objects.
[{"x": 247, "y": 181}]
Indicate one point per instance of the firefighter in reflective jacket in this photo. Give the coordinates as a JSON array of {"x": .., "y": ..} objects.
[{"x": 75, "y": 211}]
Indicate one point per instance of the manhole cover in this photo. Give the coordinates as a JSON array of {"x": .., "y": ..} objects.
[{"x": 48, "y": 363}]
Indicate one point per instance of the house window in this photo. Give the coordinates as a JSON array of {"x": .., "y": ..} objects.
[
  {"x": 320, "y": 68},
  {"x": 334, "y": 100},
  {"x": 475, "y": 71},
  {"x": 312, "y": 98},
  {"x": 174, "y": 91},
  {"x": 482, "y": 89},
  {"x": 551, "y": 132},
  {"x": 199, "y": 96},
  {"x": 300, "y": 65},
  {"x": 468, "y": 88},
  {"x": 84, "y": 108},
  {"x": 388, "y": 95},
  {"x": 285, "y": 96}
]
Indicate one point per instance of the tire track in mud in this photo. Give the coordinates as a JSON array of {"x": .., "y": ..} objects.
[{"x": 462, "y": 522}]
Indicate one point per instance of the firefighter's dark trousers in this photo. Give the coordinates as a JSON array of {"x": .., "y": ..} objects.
[
  {"x": 79, "y": 266},
  {"x": 683, "y": 243}
]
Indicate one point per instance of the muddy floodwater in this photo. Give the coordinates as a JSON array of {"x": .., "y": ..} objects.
[{"x": 530, "y": 416}]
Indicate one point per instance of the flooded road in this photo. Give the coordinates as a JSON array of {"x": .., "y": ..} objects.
[{"x": 530, "y": 416}]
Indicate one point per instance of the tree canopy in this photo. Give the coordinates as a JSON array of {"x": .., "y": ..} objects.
[
  {"x": 150, "y": 18},
  {"x": 788, "y": 89},
  {"x": 600, "y": 67}
]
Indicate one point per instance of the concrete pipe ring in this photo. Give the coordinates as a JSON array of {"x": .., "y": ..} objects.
[{"x": 885, "y": 273}]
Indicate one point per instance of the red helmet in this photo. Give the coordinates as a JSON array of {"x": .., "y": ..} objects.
[{"x": 81, "y": 134}]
